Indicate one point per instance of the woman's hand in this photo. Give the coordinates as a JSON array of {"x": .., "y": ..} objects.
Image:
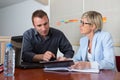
[{"x": 81, "y": 65}]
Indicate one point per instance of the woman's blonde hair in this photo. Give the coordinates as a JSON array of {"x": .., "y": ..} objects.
[{"x": 95, "y": 18}]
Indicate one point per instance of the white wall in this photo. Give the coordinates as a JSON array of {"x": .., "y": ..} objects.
[
  {"x": 15, "y": 19},
  {"x": 60, "y": 11}
]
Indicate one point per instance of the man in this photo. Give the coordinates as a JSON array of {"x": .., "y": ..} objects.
[{"x": 42, "y": 42}]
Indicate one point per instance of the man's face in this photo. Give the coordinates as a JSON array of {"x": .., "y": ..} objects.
[{"x": 41, "y": 25}]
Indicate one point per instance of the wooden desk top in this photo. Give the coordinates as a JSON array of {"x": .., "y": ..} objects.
[{"x": 40, "y": 74}]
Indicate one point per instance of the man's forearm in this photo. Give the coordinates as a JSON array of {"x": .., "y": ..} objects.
[{"x": 38, "y": 57}]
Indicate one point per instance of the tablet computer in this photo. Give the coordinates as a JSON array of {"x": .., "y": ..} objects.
[{"x": 50, "y": 64}]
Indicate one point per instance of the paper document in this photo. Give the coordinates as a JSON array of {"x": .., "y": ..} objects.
[{"x": 75, "y": 70}]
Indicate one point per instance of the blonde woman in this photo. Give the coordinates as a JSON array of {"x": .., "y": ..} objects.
[{"x": 96, "y": 47}]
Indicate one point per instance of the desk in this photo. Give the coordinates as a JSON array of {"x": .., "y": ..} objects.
[{"x": 40, "y": 74}]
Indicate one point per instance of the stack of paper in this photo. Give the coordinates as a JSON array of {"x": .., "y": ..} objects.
[{"x": 69, "y": 69}]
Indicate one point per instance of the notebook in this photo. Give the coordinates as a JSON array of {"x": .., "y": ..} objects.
[
  {"x": 17, "y": 44},
  {"x": 61, "y": 69}
]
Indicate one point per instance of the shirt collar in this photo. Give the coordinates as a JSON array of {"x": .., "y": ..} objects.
[{"x": 48, "y": 36}]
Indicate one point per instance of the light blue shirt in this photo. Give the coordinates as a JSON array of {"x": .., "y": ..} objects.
[{"x": 102, "y": 50}]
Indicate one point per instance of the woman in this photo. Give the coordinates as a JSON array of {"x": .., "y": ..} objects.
[{"x": 96, "y": 47}]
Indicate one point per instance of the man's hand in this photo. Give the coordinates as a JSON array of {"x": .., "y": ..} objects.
[{"x": 48, "y": 55}]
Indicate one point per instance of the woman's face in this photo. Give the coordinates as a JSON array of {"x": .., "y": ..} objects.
[{"x": 85, "y": 27}]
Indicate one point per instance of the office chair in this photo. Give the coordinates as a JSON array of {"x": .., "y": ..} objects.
[{"x": 118, "y": 63}]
